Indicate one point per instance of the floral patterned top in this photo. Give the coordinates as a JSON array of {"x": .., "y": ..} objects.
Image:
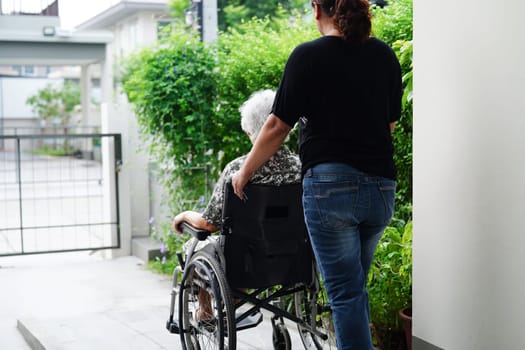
[{"x": 282, "y": 169}]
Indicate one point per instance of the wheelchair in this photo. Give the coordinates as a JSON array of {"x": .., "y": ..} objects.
[{"x": 262, "y": 260}]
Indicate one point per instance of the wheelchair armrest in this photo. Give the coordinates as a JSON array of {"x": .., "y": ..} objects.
[{"x": 200, "y": 234}]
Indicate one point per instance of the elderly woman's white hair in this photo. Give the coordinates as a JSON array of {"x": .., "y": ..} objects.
[{"x": 255, "y": 111}]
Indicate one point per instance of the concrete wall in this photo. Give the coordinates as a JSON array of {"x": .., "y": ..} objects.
[
  {"x": 130, "y": 34},
  {"x": 469, "y": 175},
  {"x": 16, "y": 117},
  {"x": 15, "y": 92},
  {"x": 27, "y": 23}
]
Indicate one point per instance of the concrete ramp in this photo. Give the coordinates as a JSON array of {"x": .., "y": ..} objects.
[{"x": 74, "y": 301}]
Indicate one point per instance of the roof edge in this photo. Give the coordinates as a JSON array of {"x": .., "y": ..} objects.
[{"x": 119, "y": 11}]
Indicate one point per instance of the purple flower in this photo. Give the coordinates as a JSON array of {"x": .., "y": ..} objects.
[
  {"x": 151, "y": 220},
  {"x": 163, "y": 248},
  {"x": 163, "y": 259},
  {"x": 202, "y": 199},
  {"x": 169, "y": 233}
]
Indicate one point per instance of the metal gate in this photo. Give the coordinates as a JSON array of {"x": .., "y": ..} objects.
[{"x": 56, "y": 194}]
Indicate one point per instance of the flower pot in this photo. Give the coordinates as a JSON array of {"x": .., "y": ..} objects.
[
  {"x": 386, "y": 338},
  {"x": 406, "y": 318}
]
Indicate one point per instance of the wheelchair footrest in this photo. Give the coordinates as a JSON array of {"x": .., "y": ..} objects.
[
  {"x": 172, "y": 327},
  {"x": 249, "y": 322}
]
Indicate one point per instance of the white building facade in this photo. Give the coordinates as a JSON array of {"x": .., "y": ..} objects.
[
  {"x": 134, "y": 25},
  {"x": 469, "y": 212}
]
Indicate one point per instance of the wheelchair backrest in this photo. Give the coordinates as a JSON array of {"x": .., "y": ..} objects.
[{"x": 266, "y": 242}]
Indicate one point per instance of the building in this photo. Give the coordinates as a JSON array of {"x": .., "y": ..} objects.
[{"x": 134, "y": 25}]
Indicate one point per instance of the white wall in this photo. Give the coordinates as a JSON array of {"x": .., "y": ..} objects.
[
  {"x": 130, "y": 35},
  {"x": 469, "y": 174},
  {"x": 16, "y": 91}
]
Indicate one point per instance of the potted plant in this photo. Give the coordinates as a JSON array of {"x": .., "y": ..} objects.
[
  {"x": 405, "y": 314},
  {"x": 390, "y": 287}
]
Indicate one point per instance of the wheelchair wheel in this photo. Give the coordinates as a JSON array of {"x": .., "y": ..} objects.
[
  {"x": 312, "y": 306},
  {"x": 203, "y": 273},
  {"x": 281, "y": 337}
]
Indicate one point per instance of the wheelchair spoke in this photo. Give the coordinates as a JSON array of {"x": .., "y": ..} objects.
[
  {"x": 206, "y": 311},
  {"x": 312, "y": 306}
]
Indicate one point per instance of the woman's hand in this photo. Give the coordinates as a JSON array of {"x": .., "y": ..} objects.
[{"x": 239, "y": 180}]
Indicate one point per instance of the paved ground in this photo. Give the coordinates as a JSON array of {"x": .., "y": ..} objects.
[
  {"x": 73, "y": 301},
  {"x": 60, "y": 202}
]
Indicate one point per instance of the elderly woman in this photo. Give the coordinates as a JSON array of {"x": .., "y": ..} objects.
[{"x": 283, "y": 168}]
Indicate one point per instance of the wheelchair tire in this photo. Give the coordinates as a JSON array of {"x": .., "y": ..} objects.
[
  {"x": 312, "y": 306},
  {"x": 281, "y": 337},
  {"x": 203, "y": 272}
]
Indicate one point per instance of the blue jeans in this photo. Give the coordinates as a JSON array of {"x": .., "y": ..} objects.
[{"x": 346, "y": 212}]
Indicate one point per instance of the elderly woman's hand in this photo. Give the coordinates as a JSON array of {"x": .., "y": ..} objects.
[
  {"x": 193, "y": 219},
  {"x": 179, "y": 218}
]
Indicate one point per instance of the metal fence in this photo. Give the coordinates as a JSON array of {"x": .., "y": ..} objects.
[{"x": 54, "y": 194}]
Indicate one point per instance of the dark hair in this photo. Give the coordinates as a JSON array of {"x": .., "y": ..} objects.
[{"x": 351, "y": 17}]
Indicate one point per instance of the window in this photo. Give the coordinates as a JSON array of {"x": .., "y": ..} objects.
[{"x": 28, "y": 70}]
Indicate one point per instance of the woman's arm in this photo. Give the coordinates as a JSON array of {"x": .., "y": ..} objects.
[
  {"x": 194, "y": 219},
  {"x": 270, "y": 139}
]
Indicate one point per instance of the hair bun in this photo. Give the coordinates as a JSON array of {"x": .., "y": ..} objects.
[{"x": 353, "y": 19}]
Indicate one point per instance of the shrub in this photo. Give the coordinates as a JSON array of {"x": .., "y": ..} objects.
[
  {"x": 390, "y": 278},
  {"x": 393, "y": 24},
  {"x": 172, "y": 88},
  {"x": 402, "y": 137},
  {"x": 252, "y": 57}
]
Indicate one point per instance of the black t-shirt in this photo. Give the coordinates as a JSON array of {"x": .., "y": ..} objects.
[{"x": 344, "y": 97}]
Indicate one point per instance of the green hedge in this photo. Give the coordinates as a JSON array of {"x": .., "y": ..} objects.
[{"x": 252, "y": 57}]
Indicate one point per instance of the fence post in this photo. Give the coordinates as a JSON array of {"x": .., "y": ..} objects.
[{"x": 19, "y": 182}]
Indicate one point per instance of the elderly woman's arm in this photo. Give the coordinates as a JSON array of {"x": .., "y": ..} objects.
[
  {"x": 194, "y": 219},
  {"x": 270, "y": 139}
]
